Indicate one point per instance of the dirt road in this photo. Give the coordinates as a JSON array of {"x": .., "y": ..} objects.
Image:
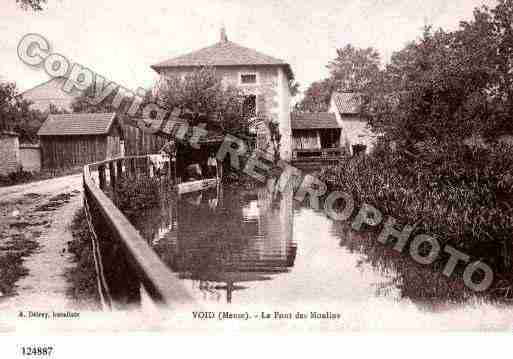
[
  {"x": 34, "y": 232},
  {"x": 46, "y": 187}
]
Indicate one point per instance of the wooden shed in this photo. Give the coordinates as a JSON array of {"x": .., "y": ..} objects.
[
  {"x": 315, "y": 136},
  {"x": 71, "y": 140}
]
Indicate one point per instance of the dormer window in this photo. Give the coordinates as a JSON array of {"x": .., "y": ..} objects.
[{"x": 248, "y": 79}]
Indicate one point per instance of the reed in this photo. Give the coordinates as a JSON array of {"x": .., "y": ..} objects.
[{"x": 460, "y": 194}]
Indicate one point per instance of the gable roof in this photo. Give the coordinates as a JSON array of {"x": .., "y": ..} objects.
[
  {"x": 224, "y": 53},
  {"x": 77, "y": 124},
  {"x": 348, "y": 103},
  {"x": 314, "y": 120},
  {"x": 49, "y": 92}
]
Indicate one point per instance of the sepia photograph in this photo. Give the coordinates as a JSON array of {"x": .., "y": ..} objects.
[{"x": 200, "y": 167}]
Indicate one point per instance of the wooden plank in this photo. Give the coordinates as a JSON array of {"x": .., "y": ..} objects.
[{"x": 194, "y": 186}]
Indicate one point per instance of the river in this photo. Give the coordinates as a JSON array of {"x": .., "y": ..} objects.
[{"x": 258, "y": 248}]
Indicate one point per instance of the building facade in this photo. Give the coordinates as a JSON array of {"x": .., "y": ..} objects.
[
  {"x": 356, "y": 135},
  {"x": 265, "y": 80}
]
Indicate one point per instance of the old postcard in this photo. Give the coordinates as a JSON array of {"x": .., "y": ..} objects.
[{"x": 272, "y": 166}]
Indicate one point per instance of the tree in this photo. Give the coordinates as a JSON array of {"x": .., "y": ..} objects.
[
  {"x": 425, "y": 88},
  {"x": 499, "y": 29},
  {"x": 354, "y": 69},
  {"x": 448, "y": 86},
  {"x": 16, "y": 115},
  {"x": 294, "y": 87},
  {"x": 83, "y": 104},
  {"x": 202, "y": 92},
  {"x": 317, "y": 97},
  {"x": 35, "y": 5}
]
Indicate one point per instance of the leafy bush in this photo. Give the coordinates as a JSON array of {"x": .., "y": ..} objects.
[
  {"x": 15, "y": 178},
  {"x": 134, "y": 195}
]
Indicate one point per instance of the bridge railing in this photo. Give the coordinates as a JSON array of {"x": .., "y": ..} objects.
[
  {"x": 318, "y": 154},
  {"x": 126, "y": 265}
]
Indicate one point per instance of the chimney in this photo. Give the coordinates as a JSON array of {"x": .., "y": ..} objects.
[{"x": 224, "y": 38}]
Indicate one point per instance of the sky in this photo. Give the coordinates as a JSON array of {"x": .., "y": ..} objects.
[{"x": 120, "y": 39}]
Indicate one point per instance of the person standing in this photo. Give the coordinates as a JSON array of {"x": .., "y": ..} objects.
[{"x": 212, "y": 165}]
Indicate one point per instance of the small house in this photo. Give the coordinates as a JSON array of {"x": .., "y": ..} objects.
[
  {"x": 356, "y": 134},
  {"x": 76, "y": 139},
  {"x": 315, "y": 135}
]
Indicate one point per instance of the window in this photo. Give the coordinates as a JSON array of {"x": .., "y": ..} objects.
[{"x": 248, "y": 79}]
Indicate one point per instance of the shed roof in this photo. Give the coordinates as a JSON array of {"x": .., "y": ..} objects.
[
  {"x": 347, "y": 102},
  {"x": 224, "y": 53},
  {"x": 77, "y": 124},
  {"x": 314, "y": 120}
]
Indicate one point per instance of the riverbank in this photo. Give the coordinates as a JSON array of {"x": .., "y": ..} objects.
[
  {"x": 459, "y": 196},
  {"x": 82, "y": 276},
  {"x": 134, "y": 195}
]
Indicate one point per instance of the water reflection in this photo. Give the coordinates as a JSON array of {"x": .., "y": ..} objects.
[
  {"x": 225, "y": 240},
  {"x": 426, "y": 286},
  {"x": 242, "y": 246}
]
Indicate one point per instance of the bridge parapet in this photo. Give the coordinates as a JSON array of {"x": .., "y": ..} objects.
[{"x": 126, "y": 265}]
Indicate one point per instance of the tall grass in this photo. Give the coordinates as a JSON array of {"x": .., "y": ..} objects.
[{"x": 460, "y": 194}]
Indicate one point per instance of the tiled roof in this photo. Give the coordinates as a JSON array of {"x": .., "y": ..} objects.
[
  {"x": 315, "y": 120},
  {"x": 77, "y": 124},
  {"x": 224, "y": 53},
  {"x": 347, "y": 102}
]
